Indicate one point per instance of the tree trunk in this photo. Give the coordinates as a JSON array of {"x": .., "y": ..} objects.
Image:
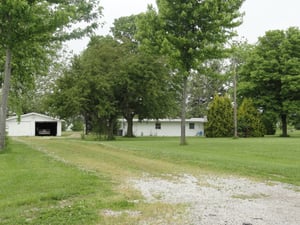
[
  {"x": 110, "y": 129},
  {"x": 5, "y": 92},
  {"x": 183, "y": 111},
  {"x": 129, "y": 120},
  {"x": 235, "y": 120},
  {"x": 284, "y": 125}
]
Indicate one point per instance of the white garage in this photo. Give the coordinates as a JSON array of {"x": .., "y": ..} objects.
[{"x": 33, "y": 124}]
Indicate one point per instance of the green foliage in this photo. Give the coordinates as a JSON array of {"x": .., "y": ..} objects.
[
  {"x": 29, "y": 32},
  {"x": 145, "y": 86},
  {"x": 270, "y": 120},
  {"x": 125, "y": 29},
  {"x": 77, "y": 125},
  {"x": 204, "y": 83},
  {"x": 30, "y": 85},
  {"x": 85, "y": 88},
  {"x": 193, "y": 31},
  {"x": 66, "y": 98},
  {"x": 188, "y": 33},
  {"x": 109, "y": 80},
  {"x": 43, "y": 21},
  {"x": 270, "y": 75},
  {"x": 295, "y": 119},
  {"x": 249, "y": 120},
  {"x": 33, "y": 30},
  {"x": 219, "y": 118}
]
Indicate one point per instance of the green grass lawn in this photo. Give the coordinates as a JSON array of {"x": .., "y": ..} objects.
[
  {"x": 268, "y": 158},
  {"x": 38, "y": 189},
  {"x": 70, "y": 181}
]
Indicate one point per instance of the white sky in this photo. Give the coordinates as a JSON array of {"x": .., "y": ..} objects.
[{"x": 260, "y": 16}]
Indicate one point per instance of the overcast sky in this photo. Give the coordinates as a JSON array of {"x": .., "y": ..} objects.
[{"x": 260, "y": 16}]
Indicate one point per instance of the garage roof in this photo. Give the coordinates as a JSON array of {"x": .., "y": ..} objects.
[{"x": 33, "y": 114}]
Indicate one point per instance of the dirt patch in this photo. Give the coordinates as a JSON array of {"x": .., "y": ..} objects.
[{"x": 224, "y": 200}]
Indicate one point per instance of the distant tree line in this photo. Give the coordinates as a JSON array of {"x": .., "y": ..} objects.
[{"x": 268, "y": 89}]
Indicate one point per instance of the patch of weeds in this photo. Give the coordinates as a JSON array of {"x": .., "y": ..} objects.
[
  {"x": 80, "y": 212},
  {"x": 253, "y": 196},
  {"x": 158, "y": 196},
  {"x": 7, "y": 148},
  {"x": 121, "y": 204},
  {"x": 162, "y": 213}
]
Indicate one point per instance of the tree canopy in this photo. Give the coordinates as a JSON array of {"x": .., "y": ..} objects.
[
  {"x": 108, "y": 81},
  {"x": 271, "y": 74},
  {"x": 211, "y": 77}
]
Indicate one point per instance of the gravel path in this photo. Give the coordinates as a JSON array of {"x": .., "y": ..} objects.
[{"x": 215, "y": 200}]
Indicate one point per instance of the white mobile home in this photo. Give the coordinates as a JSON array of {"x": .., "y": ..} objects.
[
  {"x": 33, "y": 124},
  {"x": 165, "y": 127}
]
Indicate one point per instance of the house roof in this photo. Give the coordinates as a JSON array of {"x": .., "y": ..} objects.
[{"x": 31, "y": 115}]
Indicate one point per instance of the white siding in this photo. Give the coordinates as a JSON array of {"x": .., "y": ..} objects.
[
  {"x": 58, "y": 128},
  {"x": 20, "y": 129},
  {"x": 167, "y": 127}
]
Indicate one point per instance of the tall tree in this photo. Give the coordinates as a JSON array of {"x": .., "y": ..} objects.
[
  {"x": 100, "y": 67},
  {"x": 66, "y": 97},
  {"x": 271, "y": 75},
  {"x": 38, "y": 22},
  {"x": 143, "y": 88},
  {"x": 85, "y": 89},
  {"x": 189, "y": 32},
  {"x": 145, "y": 85}
]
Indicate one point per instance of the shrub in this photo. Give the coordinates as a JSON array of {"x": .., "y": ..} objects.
[
  {"x": 249, "y": 120},
  {"x": 219, "y": 118}
]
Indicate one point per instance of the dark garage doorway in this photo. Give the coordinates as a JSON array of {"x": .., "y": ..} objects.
[{"x": 45, "y": 128}]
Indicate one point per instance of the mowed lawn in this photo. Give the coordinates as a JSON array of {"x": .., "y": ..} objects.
[
  {"x": 71, "y": 181},
  {"x": 269, "y": 158}
]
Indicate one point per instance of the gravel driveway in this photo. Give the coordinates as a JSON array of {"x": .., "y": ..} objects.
[{"x": 214, "y": 200}]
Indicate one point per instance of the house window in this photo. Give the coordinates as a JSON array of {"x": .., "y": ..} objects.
[
  {"x": 192, "y": 126},
  {"x": 157, "y": 126}
]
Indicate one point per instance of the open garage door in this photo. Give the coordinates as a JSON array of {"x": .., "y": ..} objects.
[{"x": 45, "y": 128}]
